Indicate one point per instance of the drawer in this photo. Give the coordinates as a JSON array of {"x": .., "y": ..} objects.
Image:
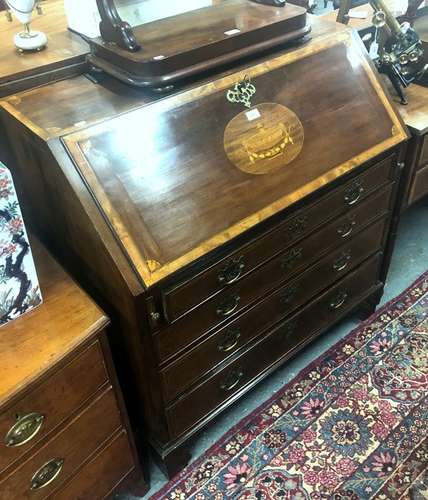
[
  {"x": 419, "y": 186},
  {"x": 49, "y": 403},
  {"x": 55, "y": 462},
  {"x": 223, "y": 344},
  {"x": 103, "y": 473},
  {"x": 423, "y": 160},
  {"x": 230, "y": 302},
  {"x": 183, "y": 297},
  {"x": 243, "y": 372}
]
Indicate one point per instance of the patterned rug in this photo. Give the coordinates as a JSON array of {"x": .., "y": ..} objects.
[{"x": 352, "y": 425}]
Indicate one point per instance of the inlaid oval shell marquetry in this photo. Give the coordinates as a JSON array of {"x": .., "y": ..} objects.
[{"x": 264, "y": 138}]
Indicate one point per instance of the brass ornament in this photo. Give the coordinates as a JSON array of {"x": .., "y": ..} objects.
[
  {"x": 46, "y": 474},
  {"x": 242, "y": 93},
  {"x": 24, "y": 430},
  {"x": 263, "y": 139}
]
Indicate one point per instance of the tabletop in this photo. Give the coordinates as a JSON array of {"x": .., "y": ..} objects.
[{"x": 35, "y": 342}]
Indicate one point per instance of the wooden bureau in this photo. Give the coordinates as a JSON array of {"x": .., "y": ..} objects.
[
  {"x": 215, "y": 276},
  {"x": 63, "y": 426}
]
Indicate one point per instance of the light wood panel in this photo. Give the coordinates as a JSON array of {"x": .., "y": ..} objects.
[
  {"x": 65, "y": 49},
  {"x": 35, "y": 342}
]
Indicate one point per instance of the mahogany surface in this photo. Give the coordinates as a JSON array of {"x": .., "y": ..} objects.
[
  {"x": 55, "y": 361},
  {"x": 189, "y": 43},
  {"x": 152, "y": 189},
  {"x": 64, "y": 56},
  {"x": 113, "y": 217},
  {"x": 191, "y": 367},
  {"x": 185, "y": 331}
]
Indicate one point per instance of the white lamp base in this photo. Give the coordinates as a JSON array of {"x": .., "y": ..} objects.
[{"x": 34, "y": 40}]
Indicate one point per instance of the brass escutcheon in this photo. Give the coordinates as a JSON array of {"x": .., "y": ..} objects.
[{"x": 242, "y": 92}]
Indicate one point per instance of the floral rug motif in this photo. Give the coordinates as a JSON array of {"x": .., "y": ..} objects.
[{"x": 352, "y": 425}]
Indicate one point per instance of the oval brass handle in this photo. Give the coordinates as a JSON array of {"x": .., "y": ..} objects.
[
  {"x": 230, "y": 340},
  {"x": 353, "y": 193},
  {"x": 24, "y": 430},
  {"x": 297, "y": 226},
  {"x": 229, "y": 305},
  {"x": 342, "y": 262},
  {"x": 232, "y": 271},
  {"x": 339, "y": 300},
  {"x": 232, "y": 380},
  {"x": 47, "y": 473},
  {"x": 346, "y": 228},
  {"x": 291, "y": 258},
  {"x": 288, "y": 329}
]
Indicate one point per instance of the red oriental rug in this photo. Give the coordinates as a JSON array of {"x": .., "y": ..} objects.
[{"x": 352, "y": 425}]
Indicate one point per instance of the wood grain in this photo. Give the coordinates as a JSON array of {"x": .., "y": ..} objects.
[
  {"x": 68, "y": 106},
  {"x": 149, "y": 188},
  {"x": 56, "y": 398},
  {"x": 415, "y": 114},
  {"x": 182, "y": 46},
  {"x": 65, "y": 49},
  {"x": 32, "y": 344},
  {"x": 74, "y": 444}
]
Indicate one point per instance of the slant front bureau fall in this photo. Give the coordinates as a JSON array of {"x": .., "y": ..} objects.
[{"x": 225, "y": 225}]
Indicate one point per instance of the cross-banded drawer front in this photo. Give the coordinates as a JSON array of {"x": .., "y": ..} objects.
[
  {"x": 223, "y": 344},
  {"x": 183, "y": 297},
  {"x": 34, "y": 416},
  {"x": 203, "y": 401},
  {"x": 229, "y": 303}
]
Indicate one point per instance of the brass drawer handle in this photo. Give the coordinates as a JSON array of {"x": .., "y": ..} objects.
[
  {"x": 339, "y": 300},
  {"x": 230, "y": 341},
  {"x": 297, "y": 226},
  {"x": 288, "y": 329},
  {"x": 47, "y": 473},
  {"x": 353, "y": 193},
  {"x": 291, "y": 258},
  {"x": 232, "y": 271},
  {"x": 24, "y": 430},
  {"x": 342, "y": 262},
  {"x": 232, "y": 380},
  {"x": 228, "y": 306},
  {"x": 346, "y": 229}
]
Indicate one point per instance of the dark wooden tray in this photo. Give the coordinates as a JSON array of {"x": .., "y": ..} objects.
[{"x": 181, "y": 46}]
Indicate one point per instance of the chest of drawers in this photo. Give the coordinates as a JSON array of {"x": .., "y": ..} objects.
[
  {"x": 415, "y": 115},
  {"x": 215, "y": 275},
  {"x": 64, "y": 430}
]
